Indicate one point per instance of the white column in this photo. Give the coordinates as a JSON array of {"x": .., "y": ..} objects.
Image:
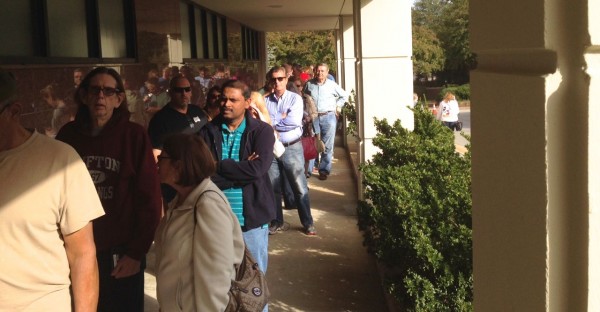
[
  {"x": 346, "y": 72},
  {"x": 262, "y": 66},
  {"x": 348, "y": 81},
  {"x": 384, "y": 66},
  {"x": 532, "y": 175},
  {"x": 592, "y": 61}
]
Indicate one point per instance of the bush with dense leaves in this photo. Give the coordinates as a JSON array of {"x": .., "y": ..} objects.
[
  {"x": 417, "y": 215},
  {"x": 462, "y": 92},
  {"x": 349, "y": 112}
]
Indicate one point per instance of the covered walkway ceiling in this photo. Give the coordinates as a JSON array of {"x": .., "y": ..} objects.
[{"x": 282, "y": 15}]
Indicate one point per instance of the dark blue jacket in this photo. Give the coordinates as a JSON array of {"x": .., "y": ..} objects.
[{"x": 252, "y": 176}]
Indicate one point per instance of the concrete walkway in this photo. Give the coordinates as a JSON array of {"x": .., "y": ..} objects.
[{"x": 328, "y": 272}]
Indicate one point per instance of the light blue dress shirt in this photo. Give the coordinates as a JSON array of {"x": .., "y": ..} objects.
[
  {"x": 327, "y": 96},
  {"x": 290, "y": 104}
]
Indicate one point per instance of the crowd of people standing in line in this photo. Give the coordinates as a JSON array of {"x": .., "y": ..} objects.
[{"x": 204, "y": 179}]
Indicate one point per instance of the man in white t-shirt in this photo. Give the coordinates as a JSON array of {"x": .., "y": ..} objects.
[{"x": 47, "y": 204}]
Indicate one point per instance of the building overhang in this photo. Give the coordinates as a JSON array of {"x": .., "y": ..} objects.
[{"x": 282, "y": 15}]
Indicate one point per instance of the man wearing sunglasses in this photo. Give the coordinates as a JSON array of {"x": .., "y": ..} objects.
[
  {"x": 178, "y": 116},
  {"x": 286, "y": 110},
  {"x": 47, "y": 204}
]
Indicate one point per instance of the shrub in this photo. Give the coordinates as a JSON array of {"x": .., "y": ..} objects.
[
  {"x": 417, "y": 215},
  {"x": 462, "y": 92},
  {"x": 349, "y": 111}
]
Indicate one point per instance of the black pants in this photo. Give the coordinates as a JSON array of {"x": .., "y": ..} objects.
[
  {"x": 123, "y": 294},
  {"x": 450, "y": 124}
]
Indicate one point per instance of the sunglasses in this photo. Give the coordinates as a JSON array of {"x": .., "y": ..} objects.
[
  {"x": 108, "y": 91},
  {"x": 181, "y": 89},
  {"x": 161, "y": 157},
  {"x": 280, "y": 79}
]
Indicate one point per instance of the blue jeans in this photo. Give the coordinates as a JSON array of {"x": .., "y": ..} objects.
[
  {"x": 327, "y": 127},
  {"x": 257, "y": 242},
  {"x": 286, "y": 191},
  {"x": 292, "y": 163}
]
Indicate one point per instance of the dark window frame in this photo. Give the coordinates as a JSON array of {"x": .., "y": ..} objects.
[
  {"x": 204, "y": 20},
  {"x": 250, "y": 50},
  {"x": 40, "y": 37}
]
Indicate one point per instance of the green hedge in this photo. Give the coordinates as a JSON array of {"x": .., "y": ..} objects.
[
  {"x": 417, "y": 215},
  {"x": 462, "y": 92},
  {"x": 349, "y": 112}
]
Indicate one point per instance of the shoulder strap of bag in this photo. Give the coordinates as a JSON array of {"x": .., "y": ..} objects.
[{"x": 245, "y": 273}]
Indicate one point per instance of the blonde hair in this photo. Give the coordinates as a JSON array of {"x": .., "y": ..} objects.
[{"x": 449, "y": 96}]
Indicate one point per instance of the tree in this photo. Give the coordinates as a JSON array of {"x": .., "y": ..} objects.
[
  {"x": 449, "y": 20},
  {"x": 304, "y": 48},
  {"x": 454, "y": 35},
  {"x": 428, "y": 13},
  {"x": 428, "y": 55}
]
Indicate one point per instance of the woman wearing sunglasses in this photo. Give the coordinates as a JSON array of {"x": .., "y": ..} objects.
[{"x": 118, "y": 155}]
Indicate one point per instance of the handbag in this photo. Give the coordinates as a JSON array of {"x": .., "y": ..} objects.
[
  {"x": 320, "y": 144},
  {"x": 310, "y": 148},
  {"x": 249, "y": 291},
  {"x": 458, "y": 126}
]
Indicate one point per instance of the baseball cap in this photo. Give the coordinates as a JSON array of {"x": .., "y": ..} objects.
[
  {"x": 8, "y": 87},
  {"x": 304, "y": 77}
]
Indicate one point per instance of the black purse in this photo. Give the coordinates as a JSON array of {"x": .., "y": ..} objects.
[{"x": 458, "y": 126}]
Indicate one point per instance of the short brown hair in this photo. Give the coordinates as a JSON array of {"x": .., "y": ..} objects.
[{"x": 196, "y": 160}]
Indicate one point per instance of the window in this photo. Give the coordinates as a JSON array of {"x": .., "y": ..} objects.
[
  {"x": 185, "y": 30},
  {"x": 210, "y": 31},
  {"x": 220, "y": 33},
  {"x": 204, "y": 33},
  {"x": 112, "y": 28},
  {"x": 249, "y": 44},
  {"x": 67, "y": 29},
  {"x": 16, "y": 27},
  {"x": 67, "y": 33},
  {"x": 199, "y": 22}
]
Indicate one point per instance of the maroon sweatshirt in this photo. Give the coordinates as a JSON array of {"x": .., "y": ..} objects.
[{"x": 122, "y": 166}]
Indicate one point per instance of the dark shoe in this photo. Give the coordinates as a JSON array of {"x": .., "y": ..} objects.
[
  {"x": 275, "y": 228},
  {"x": 310, "y": 230},
  {"x": 322, "y": 176}
]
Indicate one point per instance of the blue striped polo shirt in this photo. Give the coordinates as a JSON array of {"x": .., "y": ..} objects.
[{"x": 231, "y": 150}]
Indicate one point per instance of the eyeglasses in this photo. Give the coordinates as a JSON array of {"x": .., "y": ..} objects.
[
  {"x": 280, "y": 79},
  {"x": 180, "y": 89},
  {"x": 108, "y": 91},
  {"x": 161, "y": 157}
]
